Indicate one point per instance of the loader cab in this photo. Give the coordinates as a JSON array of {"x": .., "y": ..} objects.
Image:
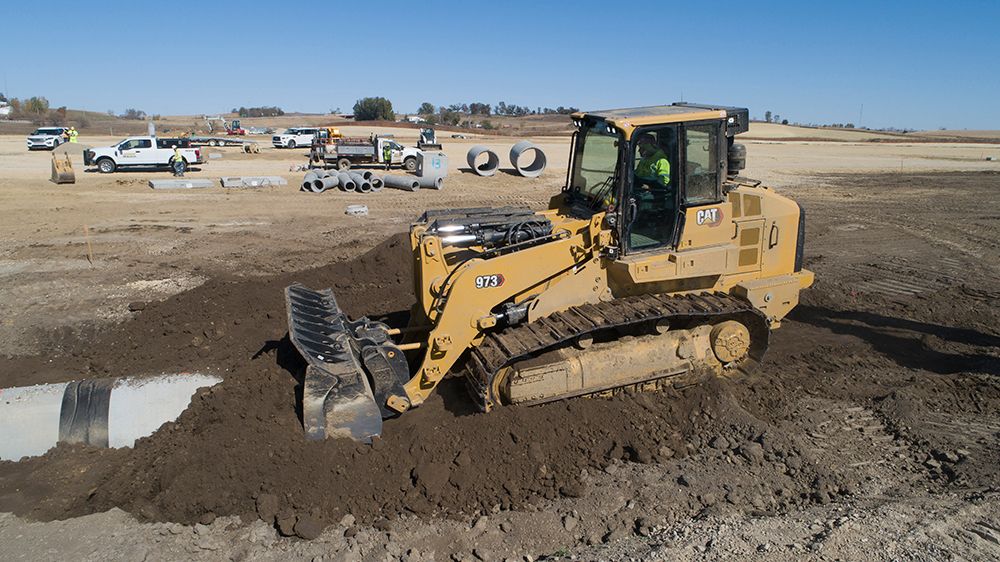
[
  {"x": 653, "y": 210},
  {"x": 617, "y": 166}
]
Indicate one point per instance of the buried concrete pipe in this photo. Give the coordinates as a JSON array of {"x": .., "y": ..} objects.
[
  {"x": 346, "y": 183},
  {"x": 532, "y": 169},
  {"x": 98, "y": 412},
  {"x": 407, "y": 183},
  {"x": 487, "y": 168}
]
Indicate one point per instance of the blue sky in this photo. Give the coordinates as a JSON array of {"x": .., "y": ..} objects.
[{"x": 914, "y": 64}]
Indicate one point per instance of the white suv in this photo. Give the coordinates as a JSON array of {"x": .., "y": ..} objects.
[
  {"x": 47, "y": 138},
  {"x": 295, "y": 137}
]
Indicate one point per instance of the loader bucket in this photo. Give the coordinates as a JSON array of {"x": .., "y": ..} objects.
[
  {"x": 62, "y": 170},
  {"x": 352, "y": 367}
]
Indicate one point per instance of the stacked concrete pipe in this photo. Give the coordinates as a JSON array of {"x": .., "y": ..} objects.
[
  {"x": 528, "y": 170},
  {"x": 308, "y": 179},
  {"x": 489, "y": 167},
  {"x": 96, "y": 412},
  {"x": 364, "y": 186},
  {"x": 324, "y": 183},
  {"x": 346, "y": 183}
]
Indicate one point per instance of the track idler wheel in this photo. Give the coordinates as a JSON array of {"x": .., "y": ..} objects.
[{"x": 730, "y": 341}]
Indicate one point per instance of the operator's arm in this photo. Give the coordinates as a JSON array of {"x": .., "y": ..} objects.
[{"x": 662, "y": 169}]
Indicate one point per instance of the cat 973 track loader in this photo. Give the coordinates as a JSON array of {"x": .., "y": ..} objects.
[{"x": 630, "y": 280}]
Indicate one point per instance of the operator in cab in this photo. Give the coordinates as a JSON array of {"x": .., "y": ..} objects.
[{"x": 653, "y": 169}]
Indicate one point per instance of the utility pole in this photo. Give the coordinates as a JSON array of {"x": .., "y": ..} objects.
[{"x": 861, "y": 113}]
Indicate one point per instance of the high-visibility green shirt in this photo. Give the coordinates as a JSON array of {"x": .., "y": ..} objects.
[
  {"x": 654, "y": 168},
  {"x": 387, "y": 153},
  {"x": 177, "y": 156}
]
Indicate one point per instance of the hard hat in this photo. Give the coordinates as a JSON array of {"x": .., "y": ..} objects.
[{"x": 173, "y": 146}]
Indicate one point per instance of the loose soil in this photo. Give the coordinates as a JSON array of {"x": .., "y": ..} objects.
[{"x": 882, "y": 383}]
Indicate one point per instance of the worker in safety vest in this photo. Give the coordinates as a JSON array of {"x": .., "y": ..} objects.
[
  {"x": 653, "y": 169},
  {"x": 177, "y": 162},
  {"x": 73, "y": 134},
  {"x": 387, "y": 155}
]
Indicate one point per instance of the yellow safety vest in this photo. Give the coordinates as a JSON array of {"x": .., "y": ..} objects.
[{"x": 655, "y": 168}]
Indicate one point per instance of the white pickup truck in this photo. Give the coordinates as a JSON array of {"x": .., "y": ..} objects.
[
  {"x": 301, "y": 137},
  {"x": 147, "y": 152}
]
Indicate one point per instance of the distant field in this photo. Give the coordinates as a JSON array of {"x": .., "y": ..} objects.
[{"x": 963, "y": 134}]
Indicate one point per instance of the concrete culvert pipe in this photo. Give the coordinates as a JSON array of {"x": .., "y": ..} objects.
[
  {"x": 364, "y": 186},
  {"x": 367, "y": 174},
  {"x": 97, "y": 412},
  {"x": 487, "y": 168},
  {"x": 321, "y": 185},
  {"x": 308, "y": 179},
  {"x": 346, "y": 183},
  {"x": 520, "y": 152},
  {"x": 376, "y": 183},
  {"x": 431, "y": 182},
  {"x": 407, "y": 183}
]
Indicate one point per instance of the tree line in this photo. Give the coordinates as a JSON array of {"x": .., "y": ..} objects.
[
  {"x": 263, "y": 111},
  {"x": 500, "y": 108}
]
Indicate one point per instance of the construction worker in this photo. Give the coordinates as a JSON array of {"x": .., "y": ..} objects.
[
  {"x": 177, "y": 162},
  {"x": 387, "y": 155},
  {"x": 653, "y": 169},
  {"x": 73, "y": 134}
]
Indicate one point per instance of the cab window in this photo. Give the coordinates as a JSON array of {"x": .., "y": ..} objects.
[
  {"x": 135, "y": 143},
  {"x": 701, "y": 174},
  {"x": 652, "y": 205}
]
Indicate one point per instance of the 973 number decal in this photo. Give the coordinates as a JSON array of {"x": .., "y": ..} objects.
[{"x": 489, "y": 281}]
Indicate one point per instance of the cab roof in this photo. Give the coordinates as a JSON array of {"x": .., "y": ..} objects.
[{"x": 627, "y": 119}]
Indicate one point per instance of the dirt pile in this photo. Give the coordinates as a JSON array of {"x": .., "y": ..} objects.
[{"x": 239, "y": 449}]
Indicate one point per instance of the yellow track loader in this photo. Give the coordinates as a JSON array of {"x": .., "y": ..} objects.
[{"x": 657, "y": 264}]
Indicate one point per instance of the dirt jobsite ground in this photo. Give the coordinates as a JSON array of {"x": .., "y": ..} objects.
[{"x": 870, "y": 431}]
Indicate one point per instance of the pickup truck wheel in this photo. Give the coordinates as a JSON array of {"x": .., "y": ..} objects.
[
  {"x": 106, "y": 165},
  {"x": 291, "y": 144},
  {"x": 343, "y": 164},
  {"x": 410, "y": 164}
]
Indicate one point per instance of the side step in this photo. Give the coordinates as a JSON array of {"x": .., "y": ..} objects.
[{"x": 352, "y": 367}]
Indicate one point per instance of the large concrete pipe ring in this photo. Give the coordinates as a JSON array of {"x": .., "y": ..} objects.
[
  {"x": 431, "y": 182},
  {"x": 407, "y": 183},
  {"x": 364, "y": 186},
  {"x": 367, "y": 174},
  {"x": 97, "y": 412},
  {"x": 528, "y": 170},
  {"x": 487, "y": 168},
  {"x": 346, "y": 183},
  {"x": 376, "y": 183}
]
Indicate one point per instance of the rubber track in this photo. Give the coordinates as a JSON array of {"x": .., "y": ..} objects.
[{"x": 512, "y": 344}]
